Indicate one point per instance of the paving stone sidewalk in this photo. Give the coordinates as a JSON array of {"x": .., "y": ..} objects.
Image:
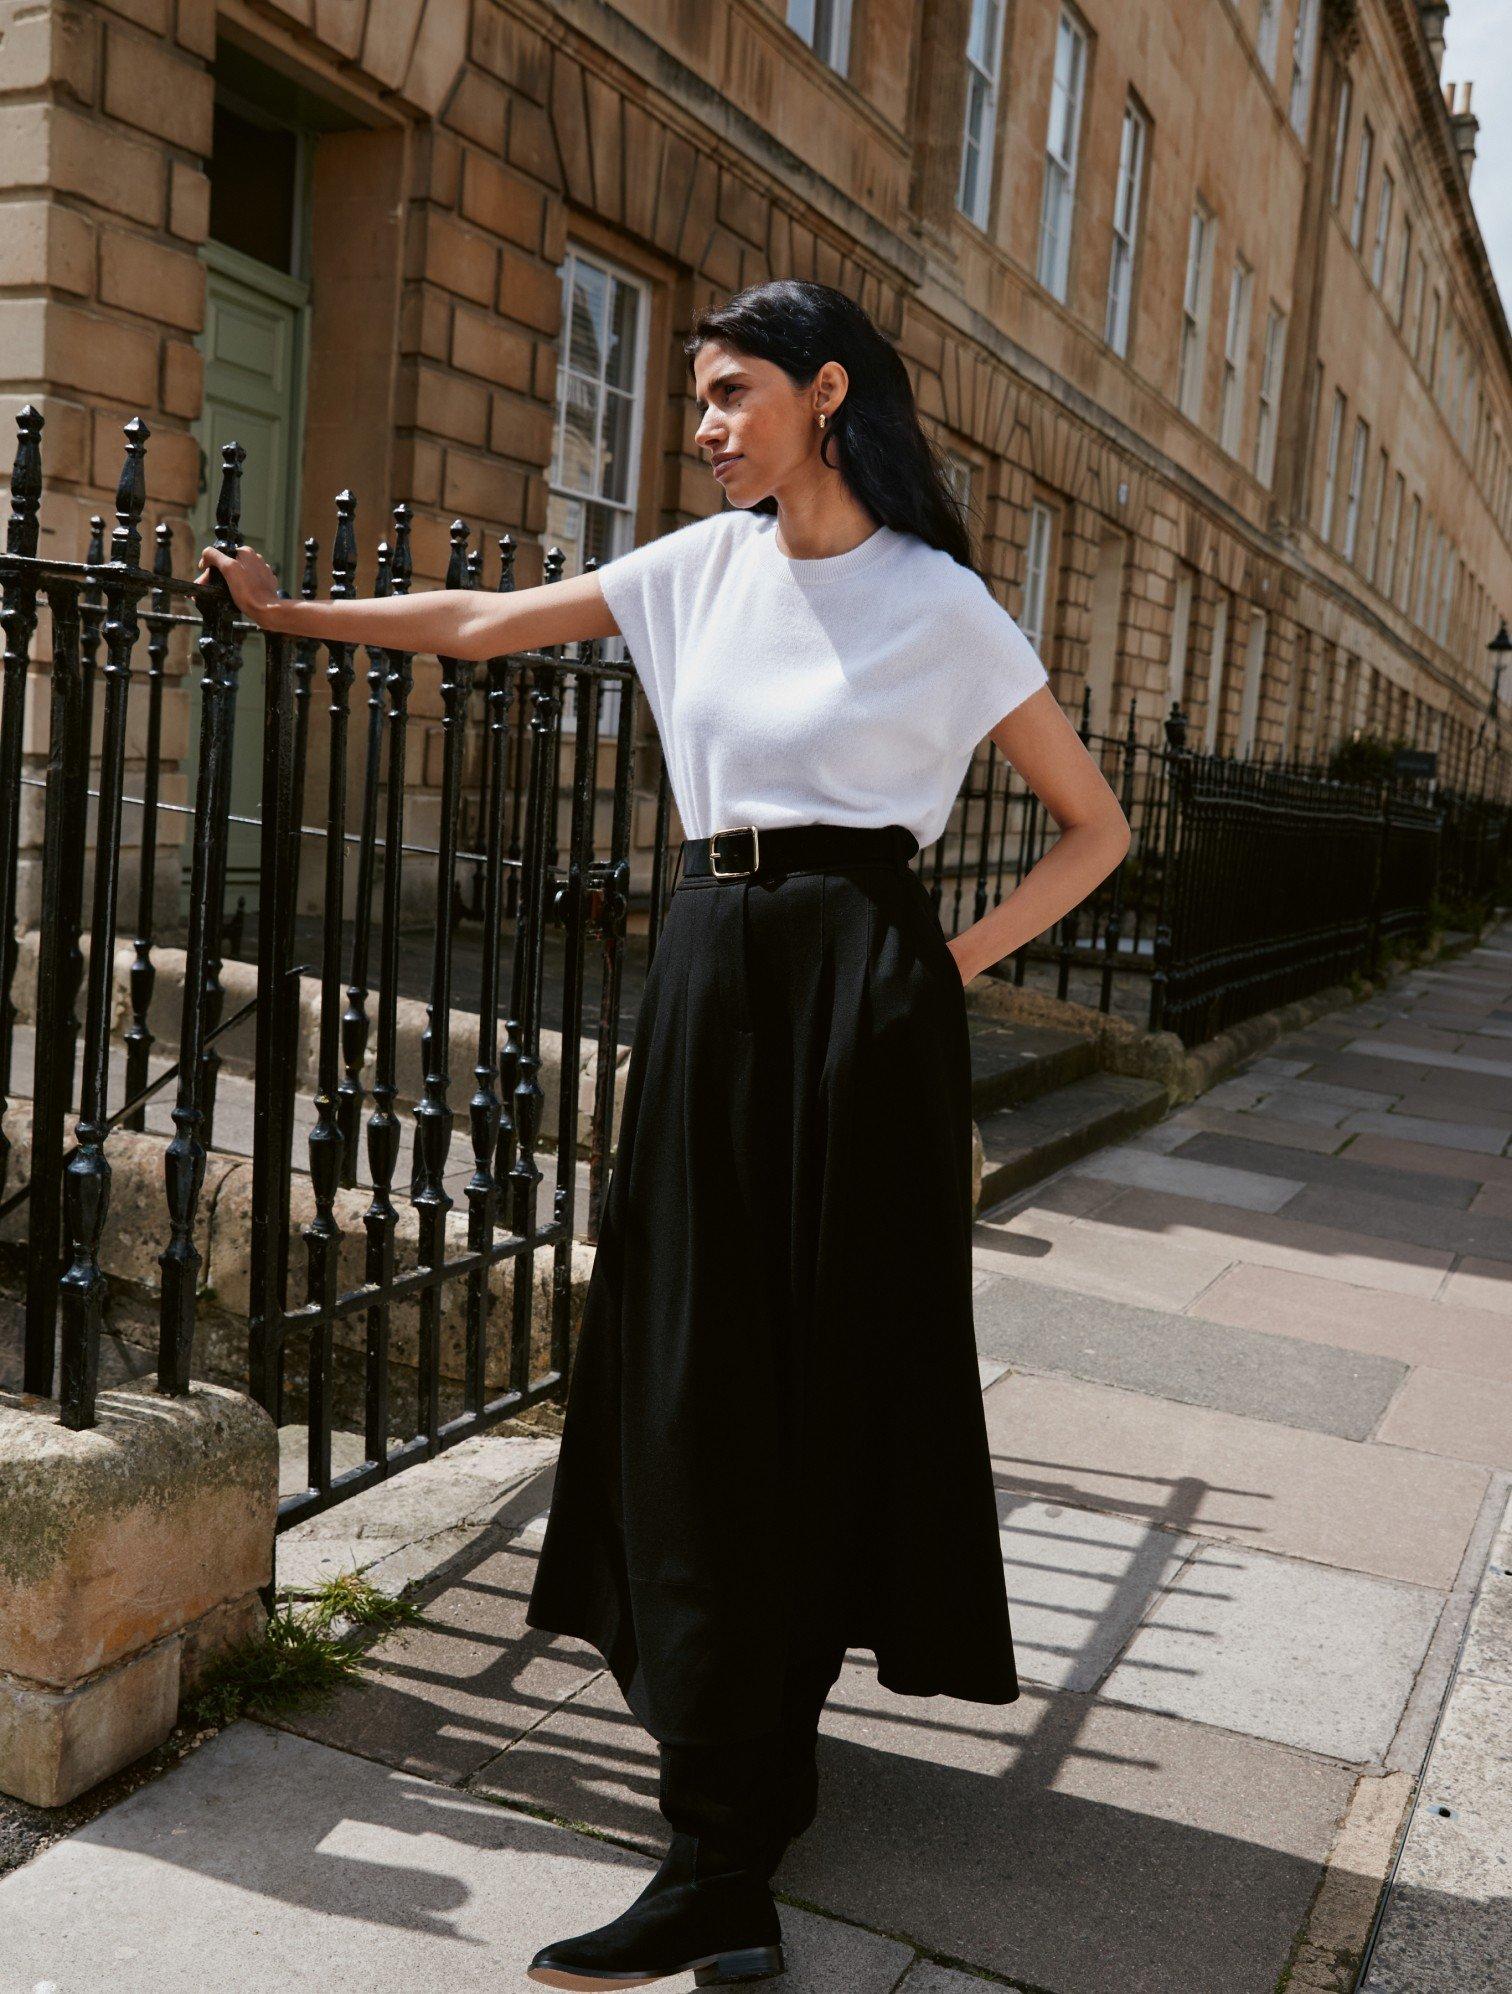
[{"x": 1248, "y": 1382}]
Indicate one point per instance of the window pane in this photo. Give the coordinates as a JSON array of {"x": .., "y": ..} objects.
[
  {"x": 619, "y": 419},
  {"x": 1118, "y": 297},
  {"x": 586, "y": 337},
  {"x": 981, "y": 38},
  {"x": 971, "y": 160},
  {"x": 578, "y": 442},
  {"x": 621, "y": 363}
]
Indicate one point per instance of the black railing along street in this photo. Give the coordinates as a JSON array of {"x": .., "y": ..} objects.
[
  {"x": 1246, "y": 884},
  {"x": 539, "y": 865}
]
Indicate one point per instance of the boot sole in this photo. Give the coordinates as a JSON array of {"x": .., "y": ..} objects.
[{"x": 715, "y": 1969}]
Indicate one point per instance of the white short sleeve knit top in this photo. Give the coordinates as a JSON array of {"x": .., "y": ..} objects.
[{"x": 847, "y": 689}]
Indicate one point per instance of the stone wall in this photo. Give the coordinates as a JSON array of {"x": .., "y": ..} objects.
[{"x": 131, "y": 1554}]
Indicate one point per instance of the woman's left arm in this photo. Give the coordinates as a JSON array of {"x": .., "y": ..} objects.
[{"x": 1048, "y": 753}]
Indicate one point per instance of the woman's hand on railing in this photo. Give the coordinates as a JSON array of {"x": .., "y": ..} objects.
[
  {"x": 252, "y": 583},
  {"x": 436, "y": 622}
]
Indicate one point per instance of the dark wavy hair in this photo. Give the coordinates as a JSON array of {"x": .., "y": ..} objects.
[{"x": 879, "y": 445}]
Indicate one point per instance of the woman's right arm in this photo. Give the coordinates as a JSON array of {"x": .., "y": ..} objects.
[{"x": 451, "y": 623}]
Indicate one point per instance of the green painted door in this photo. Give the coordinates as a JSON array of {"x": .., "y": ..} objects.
[{"x": 254, "y": 343}]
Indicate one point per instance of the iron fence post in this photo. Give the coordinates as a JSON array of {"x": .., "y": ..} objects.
[
  {"x": 184, "y": 1162},
  {"x": 20, "y": 621}
]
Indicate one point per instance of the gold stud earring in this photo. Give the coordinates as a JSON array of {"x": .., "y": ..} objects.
[{"x": 821, "y": 418}]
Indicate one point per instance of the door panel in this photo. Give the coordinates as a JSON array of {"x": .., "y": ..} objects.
[{"x": 253, "y": 342}]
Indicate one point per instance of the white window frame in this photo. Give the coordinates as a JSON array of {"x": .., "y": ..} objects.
[
  {"x": 984, "y": 58},
  {"x": 1364, "y": 162},
  {"x": 1304, "y": 47},
  {"x": 1341, "y": 139},
  {"x": 1194, "y": 310},
  {"x": 1270, "y": 395},
  {"x": 1268, "y": 36},
  {"x": 1038, "y": 552},
  {"x": 826, "y": 26},
  {"x": 1314, "y": 407},
  {"x": 1414, "y": 527},
  {"x": 1404, "y": 272},
  {"x": 1430, "y": 360},
  {"x": 1235, "y": 356},
  {"x": 616, "y": 530},
  {"x": 1428, "y": 579},
  {"x": 1377, "y": 510},
  {"x": 1425, "y": 570},
  {"x": 1384, "y": 201},
  {"x": 1127, "y": 197},
  {"x": 1418, "y": 302},
  {"x": 1331, "y": 467},
  {"x": 1446, "y": 593},
  {"x": 1358, "y": 458},
  {"x": 1068, "y": 85},
  {"x": 1464, "y": 407},
  {"x": 1385, "y": 574}
]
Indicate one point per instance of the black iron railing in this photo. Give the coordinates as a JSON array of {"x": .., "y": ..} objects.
[
  {"x": 546, "y": 858},
  {"x": 1245, "y": 885},
  {"x": 1476, "y": 847},
  {"x": 524, "y": 891}
]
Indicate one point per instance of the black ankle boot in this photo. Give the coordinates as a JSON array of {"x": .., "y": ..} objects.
[{"x": 699, "y": 1910}]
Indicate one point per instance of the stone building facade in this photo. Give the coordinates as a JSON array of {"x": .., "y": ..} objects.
[{"x": 1194, "y": 298}]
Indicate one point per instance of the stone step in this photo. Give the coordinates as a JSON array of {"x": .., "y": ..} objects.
[
  {"x": 1021, "y": 1144},
  {"x": 1012, "y": 1062}
]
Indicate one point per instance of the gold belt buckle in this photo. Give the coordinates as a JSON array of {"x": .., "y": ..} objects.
[{"x": 738, "y": 871}]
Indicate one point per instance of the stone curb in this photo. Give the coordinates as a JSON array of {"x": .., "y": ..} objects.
[
  {"x": 1435, "y": 1924},
  {"x": 1207, "y": 1064},
  {"x": 1122, "y": 1047}
]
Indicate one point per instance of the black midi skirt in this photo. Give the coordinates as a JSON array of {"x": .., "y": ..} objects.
[{"x": 774, "y": 1435}]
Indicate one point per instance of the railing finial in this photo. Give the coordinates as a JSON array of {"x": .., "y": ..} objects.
[
  {"x": 130, "y": 498},
  {"x": 228, "y": 504},
  {"x": 25, "y": 483},
  {"x": 403, "y": 565},
  {"x": 456, "y": 565},
  {"x": 344, "y": 547}
]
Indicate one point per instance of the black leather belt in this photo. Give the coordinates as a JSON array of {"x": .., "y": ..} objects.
[{"x": 743, "y": 851}]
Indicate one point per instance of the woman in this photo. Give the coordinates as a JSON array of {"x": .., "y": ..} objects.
[{"x": 774, "y": 1446}]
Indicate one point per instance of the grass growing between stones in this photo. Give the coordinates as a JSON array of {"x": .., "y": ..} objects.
[
  {"x": 355, "y": 1599},
  {"x": 287, "y": 1666},
  {"x": 300, "y": 1657}
]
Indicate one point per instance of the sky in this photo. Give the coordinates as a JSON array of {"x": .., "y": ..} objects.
[{"x": 1475, "y": 51}]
